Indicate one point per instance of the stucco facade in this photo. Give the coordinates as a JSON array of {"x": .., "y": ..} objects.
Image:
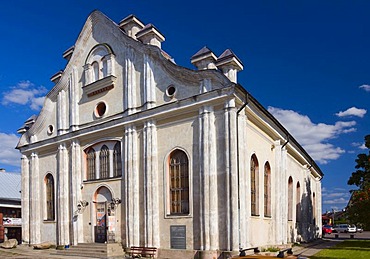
[{"x": 102, "y": 152}]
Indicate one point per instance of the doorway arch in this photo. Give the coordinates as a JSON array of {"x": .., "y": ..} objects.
[{"x": 102, "y": 200}]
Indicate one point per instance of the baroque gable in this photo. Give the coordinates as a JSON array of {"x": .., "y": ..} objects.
[{"x": 111, "y": 74}]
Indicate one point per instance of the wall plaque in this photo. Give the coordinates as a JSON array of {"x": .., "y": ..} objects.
[{"x": 178, "y": 236}]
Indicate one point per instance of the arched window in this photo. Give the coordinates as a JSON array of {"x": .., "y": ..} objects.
[
  {"x": 179, "y": 182},
  {"x": 298, "y": 203},
  {"x": 117, "y": 162},
  {"x": 254, "y": 186},
  {"x": 290, "y": 198},
  {"x": 104, "y": 162},
  {"x": 90, "y": 157},
  {"x": 50, "y": 197},
  {"x": 267, "y": 190}
]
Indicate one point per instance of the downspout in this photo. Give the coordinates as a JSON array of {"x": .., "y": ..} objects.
[
  {"x": 287, "y": 141},
  {"x": 237, "y": 159}
]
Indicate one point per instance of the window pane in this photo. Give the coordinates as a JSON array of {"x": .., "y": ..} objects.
[
  {"x": 117, "y": 162},
  {"x": 179, "y": 183},
  {"x": 104, "y": 162},
  {"x": 50, "y": 198}
]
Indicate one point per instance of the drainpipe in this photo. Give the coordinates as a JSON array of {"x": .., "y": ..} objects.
[
  {"x": 237, "y": 158},
  {"x": 287, "y": 141}
]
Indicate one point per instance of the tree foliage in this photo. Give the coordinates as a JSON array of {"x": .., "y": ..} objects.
[
  {"x": 359, "y": 205},
  {"x": 361, "y": 177}
]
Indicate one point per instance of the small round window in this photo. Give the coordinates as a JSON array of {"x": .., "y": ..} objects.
[
  {"x": 170, "y": 91},
  {"x": 100, "y": 109}
]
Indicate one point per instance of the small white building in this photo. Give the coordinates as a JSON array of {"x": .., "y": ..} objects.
[{"x": 131, "y": 148}]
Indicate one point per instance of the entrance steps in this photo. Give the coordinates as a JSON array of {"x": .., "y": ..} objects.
[{"x": 93, "y": 250}]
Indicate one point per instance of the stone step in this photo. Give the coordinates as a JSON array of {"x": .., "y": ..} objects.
[
  {"x": 79, "y": 254},
  {"x": 91, "y": 250}
]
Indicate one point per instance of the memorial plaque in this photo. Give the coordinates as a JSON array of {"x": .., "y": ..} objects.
[{"x": 178, "y": 237}]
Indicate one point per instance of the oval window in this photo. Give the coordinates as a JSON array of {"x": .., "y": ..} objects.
[
  {"x": 171, "y": 90},
  {"x": 100, "y": 109}
]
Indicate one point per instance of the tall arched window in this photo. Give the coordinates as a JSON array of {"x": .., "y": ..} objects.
[
  {"x": 117, "y": 162},
  {"x": 50, "y": 197},
  {"x": 179, "y": 182},
  {"x": 298, "y": 203},
  {"x": 290, "y": 198},
  {"x": 104, "y": 162},
  {"x": 254, "y": 186},
  {"x": 267, "y": 190},
  {"x": 90, "y": 157}
]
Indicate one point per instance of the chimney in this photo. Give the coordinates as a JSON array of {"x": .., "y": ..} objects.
[
  {"x": 229, "y": 64},
  {"x": 150, "y": 35},
  {"x": 204, "y": 59},
  {"x": 131, "y": 25}
]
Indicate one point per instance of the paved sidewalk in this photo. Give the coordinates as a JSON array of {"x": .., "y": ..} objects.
[
  {"x": 309, "y": 249},
  {"x": 26, "y": 252}
]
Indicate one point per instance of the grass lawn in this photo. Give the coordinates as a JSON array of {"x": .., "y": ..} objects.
[{"x": 347, "y": 249}]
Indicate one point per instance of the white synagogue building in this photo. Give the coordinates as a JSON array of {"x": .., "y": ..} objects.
[{"x": 133, "y": 149}]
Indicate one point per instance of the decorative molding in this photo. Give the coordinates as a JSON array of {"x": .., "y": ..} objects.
[{"x": 100, "y": 86}]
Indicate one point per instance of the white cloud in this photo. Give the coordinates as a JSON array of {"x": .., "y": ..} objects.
[
  {"x": 353, "y": 111},
  {"x": 8, "y": 154},
  {"x": 359, "y": 145},
  {"x": 25, "y": 93},
  {"x": 363, "y": 146},
  {"x": 313, "y": 137},
  {"x": 336, "y": 197},
  {"x": 336, "y": 201},
  {"x": 365, "y": 87}
]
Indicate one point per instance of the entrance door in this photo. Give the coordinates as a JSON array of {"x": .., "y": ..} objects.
[{"x": 101, "y": 223}]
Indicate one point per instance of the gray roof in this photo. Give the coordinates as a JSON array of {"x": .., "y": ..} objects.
[{"x": 10, "y": 186}]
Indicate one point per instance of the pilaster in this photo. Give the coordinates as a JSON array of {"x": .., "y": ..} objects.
[
  {"x": 63, "y": 208},
  {"x": 74, "y": 94},
  {"x": 76, "y": 195},
  {"x": 25, "y": 200},
  {"x": 35, "y": 201},
  {"x": 130, "y": 83},
  {"x": 208, "y": 176},
  {"x": 151, "y": 184},
  {"x": 231, "y": 171},
  {"x": 149, "y": 83},
  {"x": 243, "y": 181},
  {"x": 132, "y": 186},
  {"x": 62, "y": 112}
]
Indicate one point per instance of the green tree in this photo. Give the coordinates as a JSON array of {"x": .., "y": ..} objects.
[{"x": 359, "y": 206}]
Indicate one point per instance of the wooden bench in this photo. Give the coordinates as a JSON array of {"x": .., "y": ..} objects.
[
  {"x": 142, "y": 251},
  {"x": 242, "y": 251}
]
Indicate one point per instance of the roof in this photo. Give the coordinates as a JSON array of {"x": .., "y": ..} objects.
[{"x": 10, "y": 186}]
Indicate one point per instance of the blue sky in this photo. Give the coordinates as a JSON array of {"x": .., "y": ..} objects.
[{"x": 308, "y": 62}]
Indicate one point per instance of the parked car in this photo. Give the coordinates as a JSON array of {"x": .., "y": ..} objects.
[
  {"x": 341, "y": 228},
  {"x": 359, "y": 229},
  {"x": 327, "y": 229},
  {"x": 351, "y": 229}
]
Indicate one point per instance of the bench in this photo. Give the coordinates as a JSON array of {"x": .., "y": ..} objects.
[
  {"x": 142, "y": 251},
  {"x": 281, "y": 252},
  {"x": 242, "y": 251}
]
